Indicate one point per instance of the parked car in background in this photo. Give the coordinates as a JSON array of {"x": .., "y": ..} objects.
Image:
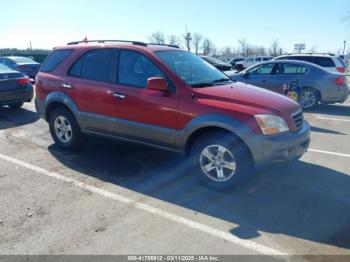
[
  {"x": 234, "y": 61},
  {"x": 250, "y": 61},
  {"x": 166, "y": 97},
  {"x": 221, "y": 65},
  {"x": 22, "y": 64},
  {"x": 318, "y": 84},
  {"x": 15, "y": 88},
  {"x": 330, "y": 62}
]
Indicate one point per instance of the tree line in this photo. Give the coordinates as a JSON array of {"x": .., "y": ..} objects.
[{"x": 199, "y": 44}]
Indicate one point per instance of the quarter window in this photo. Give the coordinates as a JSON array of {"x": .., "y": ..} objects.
[
  {"x": 55, "y": 59},
  {"x": 135, "y": 69}
]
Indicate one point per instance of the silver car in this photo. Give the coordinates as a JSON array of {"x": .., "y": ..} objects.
[{"x": 318, "y": 84}]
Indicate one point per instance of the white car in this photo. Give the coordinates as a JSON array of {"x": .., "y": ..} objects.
[
  {"x": 330, "y": 62},
  {"x": 250, "y": 61}
]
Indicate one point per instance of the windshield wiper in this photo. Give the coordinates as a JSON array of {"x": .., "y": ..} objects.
[
  {"x": 223, "y": 80},
  {"x": 203, "y": 84}
]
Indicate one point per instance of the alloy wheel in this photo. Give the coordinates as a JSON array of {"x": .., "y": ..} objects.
[
  {"x": 63, "y": 129},
  {"x": 218, "y": 163},
  {"x": 307, "y": 99}
]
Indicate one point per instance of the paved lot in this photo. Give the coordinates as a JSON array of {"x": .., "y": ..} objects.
[{"x": 119, "y": 198}]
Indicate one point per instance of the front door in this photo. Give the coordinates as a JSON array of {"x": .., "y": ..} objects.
[
  {"x": 141, "y": 113},
  {"x": 259, "y": 75}
]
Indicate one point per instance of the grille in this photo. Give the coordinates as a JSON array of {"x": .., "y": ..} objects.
[{"x": 298, "y": 119}]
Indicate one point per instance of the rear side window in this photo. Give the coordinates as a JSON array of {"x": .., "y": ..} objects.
[
  {"x": 287, "y": 69},
  {"x": 94, "y": 65},
  {"x": 54, "y": 60}
]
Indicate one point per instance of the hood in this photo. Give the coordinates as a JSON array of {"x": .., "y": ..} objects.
[{"x": 240, "y": 94}]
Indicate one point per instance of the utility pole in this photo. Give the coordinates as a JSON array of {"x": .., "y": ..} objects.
[
  {"x": 30, "y": 45},
  {"x": 344, "y": 47}
]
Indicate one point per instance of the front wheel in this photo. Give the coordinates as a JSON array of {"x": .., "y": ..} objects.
[{"x": 220, "y": 160}]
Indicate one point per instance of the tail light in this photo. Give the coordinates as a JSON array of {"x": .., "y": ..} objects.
[
  {"x": 23, "y": 67},
  {"x": 340, "y": 81},
  {"x": 341, "y": 69},
  {"x": 23, "y": 81}
]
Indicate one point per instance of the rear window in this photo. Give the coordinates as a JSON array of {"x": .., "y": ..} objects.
[
  {"x": 55, "y": 59},
  {"x": 318, "y": 60}
]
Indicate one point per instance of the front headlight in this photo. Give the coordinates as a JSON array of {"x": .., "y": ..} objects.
[{"x": 271, "y": 124}]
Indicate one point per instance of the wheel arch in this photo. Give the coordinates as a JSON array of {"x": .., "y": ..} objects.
[
  {"x": 56, "y": 99},
  {"x": 318, "y": 92},
  {"x": 217, "y": 124}
]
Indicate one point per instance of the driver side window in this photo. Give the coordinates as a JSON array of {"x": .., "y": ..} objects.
[
  {"x": 135, "y": 69},
  {"x": 265, "y": 69}
]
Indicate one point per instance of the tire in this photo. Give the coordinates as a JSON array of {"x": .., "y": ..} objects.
[
  {"x": 16, "y": 105},
  {"x": 309, "y": 99},
  {"x": 239, "y": 67},
  {"x": 64, "y": 129},
  {"x": 233, "y": 172}
]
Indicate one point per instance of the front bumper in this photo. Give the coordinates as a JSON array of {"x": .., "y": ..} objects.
[
  {"x": 267, "y": 150},
  {"x": 17, "y": 96}
]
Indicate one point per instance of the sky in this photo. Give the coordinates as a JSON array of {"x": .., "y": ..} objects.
[{"x": 50, "y": 23}]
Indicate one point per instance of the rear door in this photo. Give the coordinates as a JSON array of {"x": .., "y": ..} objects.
[
  {"x": 89, "y": 84},
  {"x": 283, "y": 73}
]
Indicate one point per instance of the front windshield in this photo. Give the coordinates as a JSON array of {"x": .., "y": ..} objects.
[{"x": 193, "y": 70}]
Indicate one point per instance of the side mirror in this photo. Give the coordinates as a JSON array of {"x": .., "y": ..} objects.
[
  {"x": 157, "y": 83},
  {"x": 245, "y": 75}
]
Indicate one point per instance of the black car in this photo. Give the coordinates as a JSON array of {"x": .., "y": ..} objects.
[
  {"x": 221, "y": 65},
  {"x": 15, "y": 88},
  {"x": 22, "y": 64}
]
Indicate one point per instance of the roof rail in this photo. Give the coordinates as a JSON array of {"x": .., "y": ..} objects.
[
  {"x": 106, "y": 41},
  {"x": 174, "y": 46}
]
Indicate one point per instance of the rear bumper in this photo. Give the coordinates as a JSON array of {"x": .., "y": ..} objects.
[
  {"x": 267, "y": 150},
  {"x": 17, "y": 96},
  {"x": 40, "y": 107},
  {"x": 339, "y": 95}
]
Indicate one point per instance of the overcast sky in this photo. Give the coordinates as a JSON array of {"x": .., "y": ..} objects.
[{"x": 51, "y": 23}]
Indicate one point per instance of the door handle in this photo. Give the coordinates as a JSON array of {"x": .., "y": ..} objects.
[
  {"x": 65, "y": 85},
  {"x": 119, "y": 96},
  {"x": 264, "y": 80}
]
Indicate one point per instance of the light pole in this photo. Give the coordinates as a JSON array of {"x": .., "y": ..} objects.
[{"x": 344, "y": 47}]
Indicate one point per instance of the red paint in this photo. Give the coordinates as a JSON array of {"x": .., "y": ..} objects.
[{"x": 165, "y": 109}]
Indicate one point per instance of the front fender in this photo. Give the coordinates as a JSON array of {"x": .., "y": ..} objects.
[{"x": 228, "y": 123}]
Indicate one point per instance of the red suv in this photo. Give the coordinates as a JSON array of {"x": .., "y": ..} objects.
[{"x": 168, "y": 98}]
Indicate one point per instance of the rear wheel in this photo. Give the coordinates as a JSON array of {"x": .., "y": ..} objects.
[
  {"x": 309, "y": 98},
  {"x": 16, "y": 105},
  {"x": 220, "y": 160},
  {"x": 64, "y": 129}
]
